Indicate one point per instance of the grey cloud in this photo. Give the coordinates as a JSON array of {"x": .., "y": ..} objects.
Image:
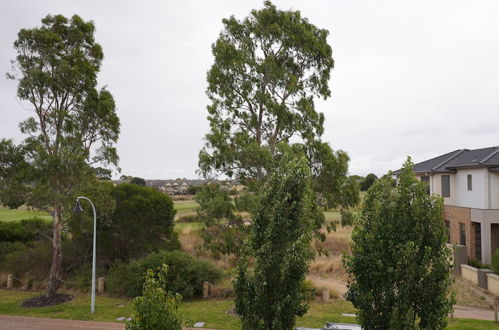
[{"x": 411, "y": 78}]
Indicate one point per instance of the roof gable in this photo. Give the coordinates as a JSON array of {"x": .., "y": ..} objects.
[{"x": 449, "y": 162}]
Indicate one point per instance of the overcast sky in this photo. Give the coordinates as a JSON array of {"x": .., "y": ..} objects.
[{"x": 417, "y": 78}]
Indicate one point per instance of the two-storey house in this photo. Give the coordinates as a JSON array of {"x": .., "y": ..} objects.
[{"x": 468, "y": 181}]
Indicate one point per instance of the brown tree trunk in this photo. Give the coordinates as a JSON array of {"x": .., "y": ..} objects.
[{"x": 55, "y": 268}]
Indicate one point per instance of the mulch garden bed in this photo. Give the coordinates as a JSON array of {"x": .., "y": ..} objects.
[{"x": 43, "y": 301}]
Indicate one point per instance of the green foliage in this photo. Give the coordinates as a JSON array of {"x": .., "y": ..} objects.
[
  {"x": 270, "y": 295},
  {"x": 24, "y": 230},
  {"x": 7, "y": 248},
  {"x": 495, "y": 262},
  {"x": 223, "y": 231},
  {"x": 13, "y": 170},
  {"x": 157, "y": 308},
  {"x": 478, "y": 264},
  {"x": 268, "y": 69},
  {"x": 186, "y": 275},
  {"x": 192, "y": 190},
  {"x": 138, "y": 181},
  {"x": 329, "y": 176},
  {"x": 308, "y": 289},
  {"x": 347, "y": 218},
  {"x": 34, "y": 259},
  {"x": 132, "y": 221},
  {"x": 56, "y": 67},
  {"x": 246, "y": 202},
  {"x": 368, "y": 182},
  {"x": 141, "y": 222},
  {"x": 73, "y": 125},
  {"x": 400, "y": 265},
  {"x": 103, "y": 173}
]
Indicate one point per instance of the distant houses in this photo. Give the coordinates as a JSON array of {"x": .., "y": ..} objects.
[
  {"x": 176, "y": 188},
  {"x": 181, "y": 186}
]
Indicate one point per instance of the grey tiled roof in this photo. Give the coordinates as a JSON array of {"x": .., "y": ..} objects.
[
  {"x": 449, "y": 162},
  {"x": 477, "y": 157}
]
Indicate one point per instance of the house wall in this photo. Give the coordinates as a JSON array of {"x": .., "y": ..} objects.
[
  {"x": 469, "y": 273},
  {"x": 455, "y": 216},
  {"x": 436, "y": 187},
  {"x": 488, "y": 220},
  {"x": 493, "y": 283},
  {"x": 494, "y": 190},
  {"x": 478, "y": 196},
  {"x": 494, "y": 240}
]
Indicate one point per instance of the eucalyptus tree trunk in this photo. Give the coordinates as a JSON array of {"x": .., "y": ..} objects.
[{"x": 55, "y": 268}]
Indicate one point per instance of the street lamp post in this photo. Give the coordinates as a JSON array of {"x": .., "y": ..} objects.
[{"x": 79, "y": 209}]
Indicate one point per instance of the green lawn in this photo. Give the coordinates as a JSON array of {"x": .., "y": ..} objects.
[
  {"x": 332, "y": 215},
  {"x": 21, "y": 213},
  {"x": 212, "y": 312},
  {"x": 184, "y": 207},
  {"x": 181, "y": 227}
]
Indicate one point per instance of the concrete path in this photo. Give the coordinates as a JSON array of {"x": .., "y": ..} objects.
[
  {"x": 465, "y": 312},
  {"x": 37, "y": 323}
]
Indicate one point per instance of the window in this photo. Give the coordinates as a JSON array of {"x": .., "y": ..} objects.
[
  {"x": 426, "y": 179},
  {"x": 470, "y": 182},
  {"x": 445, "y": 186},
  {"x": 462, "y": 234},
  {"x": 447, "y": 226}
]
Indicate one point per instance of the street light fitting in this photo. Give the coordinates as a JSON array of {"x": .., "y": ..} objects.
[{"x": 77, "y": 208}]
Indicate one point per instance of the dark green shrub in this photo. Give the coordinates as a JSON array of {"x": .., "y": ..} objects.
[
  {"x": 7, "y": 248},
  {"x": 347, "y": 218},
  {"x": 192, "y": 190},
  {"x": 186, "y": 274},
  {"x": 477, "y": 264},
  {"x": 118, "y": 279},
  {"x": 81, "y": 278},
  {"x": 368, "y": 182},
  {"x": 138, "y": 181},
  {"x": 157, "y": 307},
  {"x": 308, "y": 289},
  {"x": 495, "y": 262},
  {"x": 35, "y": 260},
  {"x": 24, "y": 230},
  {"x": 133, "y": 221},
  {"x": 246, "y": 202}
]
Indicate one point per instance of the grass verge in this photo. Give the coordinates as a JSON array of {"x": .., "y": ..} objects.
[
  {"x": 213, "y": 312},
  {"x": 21, "y": 214}
]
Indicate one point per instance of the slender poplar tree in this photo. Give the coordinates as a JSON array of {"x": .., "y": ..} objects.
[{"x": 269, "y": 291}]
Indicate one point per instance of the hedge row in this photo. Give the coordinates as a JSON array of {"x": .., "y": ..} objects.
[
  {"x": 186, "y": 274},
  {"x": 24, "y": 230}
]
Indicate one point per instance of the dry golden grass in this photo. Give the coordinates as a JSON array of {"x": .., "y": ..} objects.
[
  {"x": 325, "y": 271},
  {"x": 328, "y": 267},
  {"x": 190, "y": 240},
  {"x": 336, "y": 287},
  {"x": 337, "y": 244}
]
